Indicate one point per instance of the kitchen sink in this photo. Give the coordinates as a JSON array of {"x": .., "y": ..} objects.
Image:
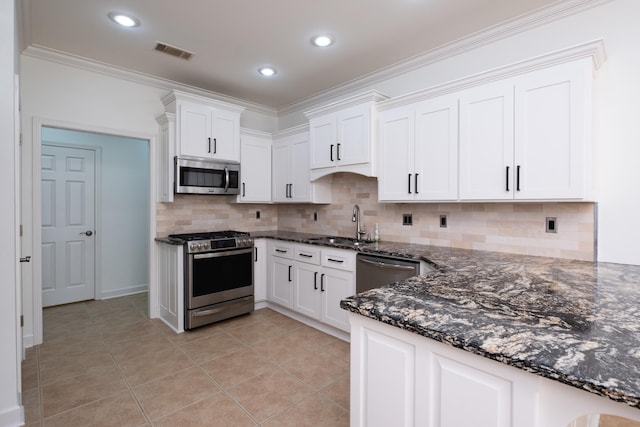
[{"x": 334, "y": 240}]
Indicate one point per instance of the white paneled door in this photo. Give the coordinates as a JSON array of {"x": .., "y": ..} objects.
[{"x": 68, "y": 221}]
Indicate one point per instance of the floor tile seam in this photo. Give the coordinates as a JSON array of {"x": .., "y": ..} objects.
[
  {"x": 152, "y": 422},
  {"x": 323, "y": 393},
  {"x": 104, "y": 397},
  {"x": 292, "y": 405},
  {"x": 229, "y": 386},
  {"x": 131, "y": 391},
  {"x": 163, "y": 377},
  {"x": 146, "y": 355},
  {"x": 241, "y": 406}
]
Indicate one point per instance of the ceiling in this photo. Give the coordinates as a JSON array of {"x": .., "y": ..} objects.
[{"x": 231, "y": 39}]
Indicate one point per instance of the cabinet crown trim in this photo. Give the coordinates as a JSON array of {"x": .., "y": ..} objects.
[
  {"x": 593, "y": 49},
  {"x": 214, "y": 103},
  {"x": 372, "y": 96}
]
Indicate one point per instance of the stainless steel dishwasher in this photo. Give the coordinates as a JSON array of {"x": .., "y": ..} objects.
[{"x": 373, "y": 271}]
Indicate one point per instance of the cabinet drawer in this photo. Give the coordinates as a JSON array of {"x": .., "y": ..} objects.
[
  {"x": 307, "y": 253},
  {"x": 340, "y": 259},
  {"x": 282, "y": 250}
]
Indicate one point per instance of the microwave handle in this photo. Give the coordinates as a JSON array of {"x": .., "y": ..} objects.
[{"x": 226, "y": 179}]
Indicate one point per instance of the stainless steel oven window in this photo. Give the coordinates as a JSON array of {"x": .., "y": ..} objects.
[{"x": 219, "y": 276}]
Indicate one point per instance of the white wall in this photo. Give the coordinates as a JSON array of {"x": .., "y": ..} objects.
[
  {"x": 617, "y": 128},
  {"x": 123, "y": 233},
  {"x": 10, "y": 409}
]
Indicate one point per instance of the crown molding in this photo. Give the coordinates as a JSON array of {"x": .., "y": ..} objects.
[
  {"x": 593, "y": 50},
  {"x": 82, "y": 63},
  {"x": 558, "y": 10}
]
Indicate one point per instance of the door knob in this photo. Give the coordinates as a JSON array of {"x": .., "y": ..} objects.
[
  {"x": 88, "y": 233},
  {"x": 25, "y": 259}
]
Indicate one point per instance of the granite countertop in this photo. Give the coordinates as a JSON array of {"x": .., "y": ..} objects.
[{"x": 571, "y": 321}]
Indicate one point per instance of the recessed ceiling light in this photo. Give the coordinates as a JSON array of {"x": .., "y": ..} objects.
[
  {"x": 322, "y": 40},
  {"x": 124, "y": 20},
  {"x": 267, "y": 71}
]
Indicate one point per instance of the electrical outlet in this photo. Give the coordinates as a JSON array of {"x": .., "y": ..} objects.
[
  {"x": 257, "y": 214},
  {"x": 443, "y": 221},
  {"x": 551, "y": 224},
  {"x": 315, "y": 216},
  {"x": 407, "y": 219}
]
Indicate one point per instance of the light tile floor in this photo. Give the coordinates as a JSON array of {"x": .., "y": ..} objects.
[{"x": 104, "y": 363}]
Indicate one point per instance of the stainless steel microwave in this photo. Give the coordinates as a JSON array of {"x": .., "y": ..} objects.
[{"x": 204, "y": 176}]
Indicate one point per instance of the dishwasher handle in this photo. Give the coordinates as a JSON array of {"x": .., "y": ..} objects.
[{"x": 388, "y": 265}]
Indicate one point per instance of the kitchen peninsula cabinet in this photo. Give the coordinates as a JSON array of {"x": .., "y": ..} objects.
[
  {"x": 342, "y": 136},
  {"x": 255, "y": 167},
  {"x": 290, "y": 170},
  {"x": 419, "y": 151},
  {"x": 205, "y": 127}
]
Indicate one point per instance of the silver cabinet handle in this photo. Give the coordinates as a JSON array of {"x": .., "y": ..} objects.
[{"x": 387, "y": 265}]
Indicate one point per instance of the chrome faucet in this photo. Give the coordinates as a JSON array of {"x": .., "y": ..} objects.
[{"x": 356, "y": 218}]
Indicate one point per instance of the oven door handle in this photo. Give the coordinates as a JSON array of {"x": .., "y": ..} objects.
[
  {"x": 207, "y": 312},
  {"x": 222, "y": 253}
]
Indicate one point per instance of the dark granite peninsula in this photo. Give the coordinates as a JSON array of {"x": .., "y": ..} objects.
[{"x": 572, "y": 322}]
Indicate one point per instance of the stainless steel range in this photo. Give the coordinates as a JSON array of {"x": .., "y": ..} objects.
[{"x": 218, "y": 276}]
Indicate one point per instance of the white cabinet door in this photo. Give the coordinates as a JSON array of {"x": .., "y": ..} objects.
[
  {"x": 486, "y": 142},
  {"x": 323, "y": 134},
  {"x": 166, "y": 153},
  {"x": 551, "y": 130},
  {"x": 281, "y": 286},
  {"x": 300, "y": 190},
  {"x": 436, "y": 149},
  {"x": 225, "y": 131},
  {"x": 335, "y": 285},
  {"x": 353, "y": 139},
  {"x": 195, "y": 130},
  {"x": 307, "y": 286},
  {"x": 280, "y": 171},
  {"x": 383, "y": 384},
  {"x": 260, "y": 273},
  {"x": 465, "y": 396},
  {"x": 396, "y": 137},
  {"x": 255, "y": 169}
]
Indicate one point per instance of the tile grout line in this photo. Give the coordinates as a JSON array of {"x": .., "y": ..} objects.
[{"x": 130, "y": 389}]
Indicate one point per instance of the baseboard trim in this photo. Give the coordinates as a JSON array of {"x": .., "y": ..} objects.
[
  {"x": 13, "y": 416},
  {"x": 122, "y": 292},
  {"x": 27, "y": 341},
  {"x": 345, "y": 336}
]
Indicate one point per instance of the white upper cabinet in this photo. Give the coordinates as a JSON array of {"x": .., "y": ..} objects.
[
  {"x": 419, "y": 151},
  {"x": 290, "y": 166},
  {"x": 486, "y": 142},
  {"x": 255, "y": 167},
  {"x": 528, "y": 137},
  {"x": 552, "y": 132},
  {"x": 521, "y": 132},
  {"x": 342, "y": 136},
  {"x": 205, "y": 128}
]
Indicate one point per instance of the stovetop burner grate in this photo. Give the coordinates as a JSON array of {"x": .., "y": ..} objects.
[{"x": 210, "y": 235}]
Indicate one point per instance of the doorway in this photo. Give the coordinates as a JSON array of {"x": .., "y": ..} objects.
[{"x": 109, "y": 219}]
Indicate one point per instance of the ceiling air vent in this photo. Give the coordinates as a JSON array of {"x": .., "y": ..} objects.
[{"x": 173, "y": 51}]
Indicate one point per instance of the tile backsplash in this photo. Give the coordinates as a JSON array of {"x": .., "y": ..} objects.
[{"x": 503, "y": 227}]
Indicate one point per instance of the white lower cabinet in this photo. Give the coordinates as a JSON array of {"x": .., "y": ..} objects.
[
  {"x": 312, "y": 281},
  {"x": 170, "y": 262},
  {"x": 260, "y": 270},
  {"x": 400, "y": 378}
]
